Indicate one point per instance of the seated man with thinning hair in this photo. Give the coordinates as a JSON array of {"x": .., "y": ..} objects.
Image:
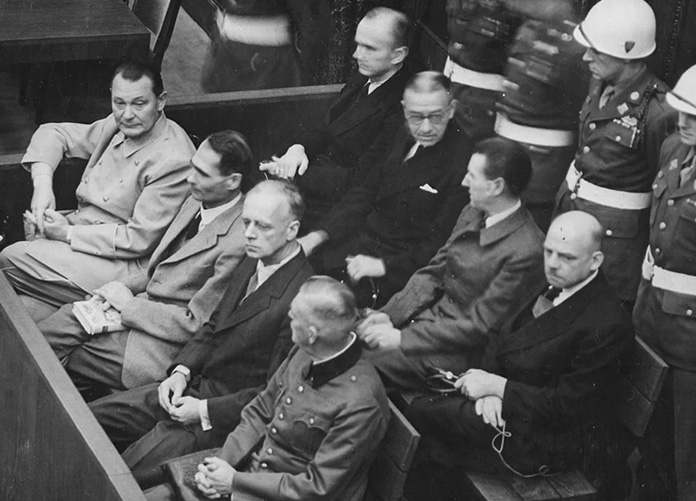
[
  {"x": 162, "y": 308},
  {"x": 548, "y": 374},
  {"x": 312, "y": 433},
  {"x": 132, "y": 187}
]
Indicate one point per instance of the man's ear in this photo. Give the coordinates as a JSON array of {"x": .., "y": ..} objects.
[
  {"x": 597, "y": 260},
  {"x": 161, "y": 101},
  {"x": 399, "y": 55},
  {"x": 293, "y": 230},
  {"x": 313, "y": 334},
  {"x": 498, "y": 186},
  {"x": 233, "y": 181}
]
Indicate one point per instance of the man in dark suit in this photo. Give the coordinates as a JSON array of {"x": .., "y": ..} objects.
[
  {"x": 484, "y": 274},
  {"x": 163, "y": 307},
  {"x": 360, "y": 126},
  {"x": 227, "y": 362},
  {"x": 403, "y": 211},
  {"x": 549, "y": 373}
]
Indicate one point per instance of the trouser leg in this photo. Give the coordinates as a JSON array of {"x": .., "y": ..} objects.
[
  {"x": 99, "y": 361},
  {"x": 685, "y": 433}
]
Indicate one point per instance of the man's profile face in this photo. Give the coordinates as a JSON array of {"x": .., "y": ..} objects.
[
  {"x": 687, "y": 128},
  {"x": 427, "y": 115},
  {"x": 267, "y": 223},
  {"x": 480, "y": 187},
  {"x": 603, "y": 66},
  {"x": 135, "y": 106},
  {"x": 207, "y": 184},
  {"x": 569, "y": 257},
  {"x": 374, "y": 51}
]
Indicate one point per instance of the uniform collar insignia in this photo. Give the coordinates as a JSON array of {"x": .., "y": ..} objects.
[{"x": 622, "y": 108}]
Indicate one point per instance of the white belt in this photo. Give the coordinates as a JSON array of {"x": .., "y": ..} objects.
[
  {"x": 604, "y": 196},
  {"x": 459, "y": 74},
  {"x": 269, "y": 31},
  {"x": 667, "y": 280},
  {"x": 533, "y": 135}
]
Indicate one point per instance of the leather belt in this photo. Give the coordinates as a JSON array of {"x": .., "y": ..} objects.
[
  {"x": 660, "y": 278},
  {"x": 533, "y": 135},
  {"x": 268, "y": 31},
  {"x": 459, "y": 74},
  {"x": 624, "y": 200}
]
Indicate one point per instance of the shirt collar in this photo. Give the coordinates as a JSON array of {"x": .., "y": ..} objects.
[
  {"x": 690, "y": 155},
  {"x": 496, "y": 218},
  {"x": 208, "y": 215},
  {"x": 327, "y": 369},
  {"x": 374, "y": 84},
  {"x": 566, "y": 293},
  {"x": 264, "y": 272}
]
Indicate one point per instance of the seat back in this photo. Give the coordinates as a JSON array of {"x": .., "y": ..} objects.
[
  {"x": 394, "y": 457},
  {"x": 158, "y": 16},
  {"x": 640, "y": 387}
]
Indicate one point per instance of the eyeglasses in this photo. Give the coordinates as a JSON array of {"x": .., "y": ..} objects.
[{"x": 435, "y": 118}]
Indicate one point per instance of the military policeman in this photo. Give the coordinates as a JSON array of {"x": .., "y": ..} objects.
[
  {"x": 666, "y": 304},
  {"x": 622, "y": 126},
  {"x": 545, "y": 84},
  {"x": 480, "y": 32}
]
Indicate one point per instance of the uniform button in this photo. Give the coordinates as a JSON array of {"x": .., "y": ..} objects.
[
  {"x": 586, "y": 149},
  {"x": 654, "y": 186},
  {"x": 573, "y": 196},
  {"x": 618, "y": 138},
  {"x": 274, "y": 430},
  {"x": 609, "y": 233},
  {"x": 105, "y": 198},
  {"x": 593, "y": 126},
  {"x": 269, "y": 451},
  {"x": 634, "y": 96},
  {"x": 662, "y": 225},
  {"x": 288, "y": 400},
  {"x": 281, "y": 416},
  {"x": 670, "y": 202},
  {"x": 353, "y": 378},
  {"x": 311, "y": 420},
  {"x": 300, "y": 388},
  {"x": 658, "y": 250},
  {"x": 689, "y": 312},
  {"x": 264, "y": 465},
  {"x": 490, "y": 113}
]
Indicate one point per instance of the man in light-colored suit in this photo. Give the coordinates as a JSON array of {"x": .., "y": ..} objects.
[
  {"x": 132, "y": 187},
  {"x": 485, "y": 273},
  {"x": 190, "y": 269}
]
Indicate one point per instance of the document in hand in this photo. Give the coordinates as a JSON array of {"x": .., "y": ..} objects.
[{"x": 94, "y": 319}]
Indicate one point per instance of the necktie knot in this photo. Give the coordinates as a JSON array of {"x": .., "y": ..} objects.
[
  {"x": 192, "y": 229},
  {"x": 552, "y": 293}
]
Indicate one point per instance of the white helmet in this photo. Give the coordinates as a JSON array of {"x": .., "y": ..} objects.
[
  {"x": 683, "y": 96},
  {"x": 620, "y": 28}
]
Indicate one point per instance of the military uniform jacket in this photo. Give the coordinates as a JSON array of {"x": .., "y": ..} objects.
[
  {"x": 180, "y": 290},
  {"x": 619, "y": 149},
  {"x": 128, "y": 195},
  {"x": 561, "y": 368},
  {"x": 665, "y": 319},
  {"x": 475, "y": 283},
  {"x": 318, "y": 429}
]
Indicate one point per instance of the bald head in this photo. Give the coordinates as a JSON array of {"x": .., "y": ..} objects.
[{"x": 572, "y": 249}]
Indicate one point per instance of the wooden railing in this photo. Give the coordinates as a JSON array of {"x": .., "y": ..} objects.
[{"x": 51, "y": 445}]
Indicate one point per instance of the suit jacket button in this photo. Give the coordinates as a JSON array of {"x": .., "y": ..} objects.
[
  {"x": 662, "y": 225},
  {"x": 689, "y": 312},
  {"x": 264, "y": 465},
  {"x": 670, "y": 202},
  {"x": 593, "y": 126},
  {"x": 609, "y": 233}
]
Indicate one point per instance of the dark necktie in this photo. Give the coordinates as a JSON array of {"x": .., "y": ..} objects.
[
  {"x": 686, "y": 172},
  {"x": 193, "y": 226},
  {"x": 251, "y": 286},
  {"x": 545, "y": 301}
]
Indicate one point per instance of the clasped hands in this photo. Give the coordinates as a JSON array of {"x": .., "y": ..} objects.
[
  {"x": 182, "y": 409},
  {"x": 378, "y": 332},
  {"x": 214, "y": 477},
  {"x": 487, "y": 390}
]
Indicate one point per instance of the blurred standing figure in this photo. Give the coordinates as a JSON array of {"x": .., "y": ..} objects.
[
  {"x": 261, "y": 44},
  {"x": 664, "y": 312},
  {"x": 545, "y": 84},
  {"x": 622, "y": 126},
  {"x": 480, "y": 34}
]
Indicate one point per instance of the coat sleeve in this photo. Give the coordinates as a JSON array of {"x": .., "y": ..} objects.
[
  {"x": 592, "y": 371},
  {"x": 53, "y": 142},
  {"x": 174, "y": 323},
  {"x": 164, "y": 190},
  {"x": 348, "y": 445},
  {"x": 520, "y": 276}
]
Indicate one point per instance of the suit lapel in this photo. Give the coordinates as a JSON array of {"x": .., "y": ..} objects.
[
  {"x": 346, "y": 98},
  {"x": 505, "y": 227},
  {"x": 551, "y": 323},
  {"x": 188, "y": 211},
  {"x": 673, "y": 177},
  {"x": 260, "y": 299}
]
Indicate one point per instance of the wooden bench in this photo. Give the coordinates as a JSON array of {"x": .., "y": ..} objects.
[
  {"x": 639, "y": 387},
  {"x": 51, "y": 445},
  {"x": 386, "y": 478}
]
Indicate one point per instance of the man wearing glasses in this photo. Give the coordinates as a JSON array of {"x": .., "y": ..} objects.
[{"x": 392, "y": 223}]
